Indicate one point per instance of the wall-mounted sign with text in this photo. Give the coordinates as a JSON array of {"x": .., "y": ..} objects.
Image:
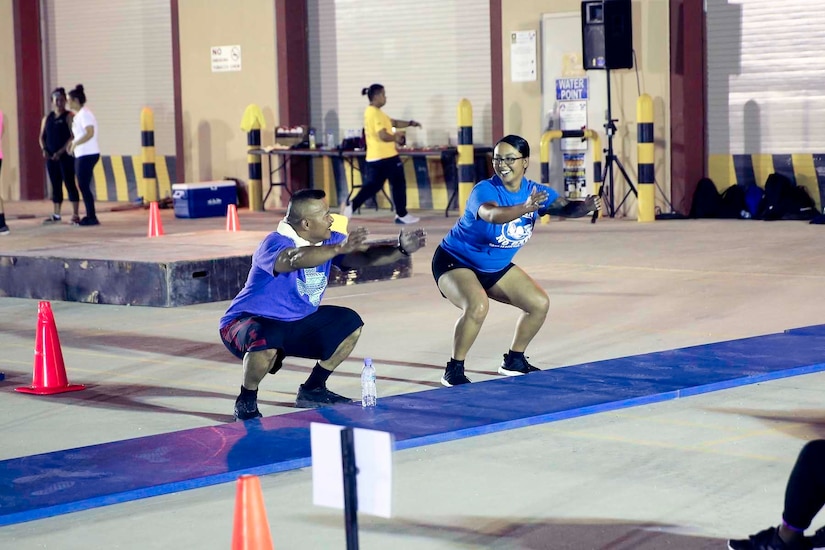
[
  {"x": 523, "y": 56},
  {"x": 571, "y": 89},
  {"x": 225, "y": 58}
]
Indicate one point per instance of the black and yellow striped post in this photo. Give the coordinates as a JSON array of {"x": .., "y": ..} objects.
[
  {"x": 466, "y": 155},
  {"x": 252, "y": 123},
  {"x": 147, "y": 149},
  {"x": 645, "y": 152},
  {"x": 544, "y": 151}
]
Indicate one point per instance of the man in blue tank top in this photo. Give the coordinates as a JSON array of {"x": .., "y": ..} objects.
[{"x": 278, "y": 311}]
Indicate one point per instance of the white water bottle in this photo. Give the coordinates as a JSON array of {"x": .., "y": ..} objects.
[{"x": 368, "y": 394}]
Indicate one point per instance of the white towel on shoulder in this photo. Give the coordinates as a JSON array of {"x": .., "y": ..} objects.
[{"x": 288, "y": 231}]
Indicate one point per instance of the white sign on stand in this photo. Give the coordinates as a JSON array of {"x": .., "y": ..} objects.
[
  {"x": 523, "y": 56},
  {"x": 225, "y": 58},
  {"x": 573, "y": 116},
  {"x": 373, "y": 457}
]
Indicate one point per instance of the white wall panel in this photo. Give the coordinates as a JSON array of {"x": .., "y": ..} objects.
[
  {"x": 429, "y": 54},
  {"x": 121, "y": 51},
  {"x": 766, "y": 76}
]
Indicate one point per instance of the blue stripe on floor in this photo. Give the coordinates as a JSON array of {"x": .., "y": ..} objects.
[{"x": 50, "y": 484}]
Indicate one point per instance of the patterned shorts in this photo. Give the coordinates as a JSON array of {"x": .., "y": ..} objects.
[{"x": 316, "y": 336}]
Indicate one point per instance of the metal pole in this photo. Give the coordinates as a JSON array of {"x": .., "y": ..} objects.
[
  {"x": 350, "y": 487},
  {"x": 609, "y": 130}
]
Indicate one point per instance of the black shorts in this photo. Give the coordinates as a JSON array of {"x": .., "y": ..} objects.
[
  {"x": 316, "y": 336},
  {"x": 443, "y": 262}
]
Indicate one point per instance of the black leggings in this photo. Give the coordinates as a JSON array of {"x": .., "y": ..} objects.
[
  {"x": 62, "y": 171},
  {"x": 805, "y": 493},
  {"x": 374, "y": 176},
  {"x": 84, "y": 167}
]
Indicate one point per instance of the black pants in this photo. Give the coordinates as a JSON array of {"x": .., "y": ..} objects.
[
  {"x": 805, "y": 493},
  {"x": 62, "y": 171},
  {"x": 84, "y": 167},
  {"x": 374, "y": 176}
]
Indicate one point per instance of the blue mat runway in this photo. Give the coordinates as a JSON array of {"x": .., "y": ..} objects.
[{"x": 55, "y": 483}]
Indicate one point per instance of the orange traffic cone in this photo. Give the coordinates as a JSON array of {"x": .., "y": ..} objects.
[
  {"x": 232, "y": 222},
  {"x": 155, "y": 223},
  {"x": 251, "y": 529},
  {"x": 49, "y": 370}
]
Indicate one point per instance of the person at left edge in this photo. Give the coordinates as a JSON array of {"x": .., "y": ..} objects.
[{"x": 278, "y": 311}]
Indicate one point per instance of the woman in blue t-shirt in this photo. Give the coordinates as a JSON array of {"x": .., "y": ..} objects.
[{"x": 473, "y": 264}]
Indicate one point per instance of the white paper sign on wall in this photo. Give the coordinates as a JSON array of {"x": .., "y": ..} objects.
[
  {"x": 225, "y": 58},
  {"x": 523, "y": 56}
]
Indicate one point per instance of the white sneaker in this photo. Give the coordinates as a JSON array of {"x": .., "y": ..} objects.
[
  {"x": 409, "y": 218},
  {"x": 346, "y": 210}
]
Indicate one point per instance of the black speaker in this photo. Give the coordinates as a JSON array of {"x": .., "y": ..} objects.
[{"x": 607, "y": 34}]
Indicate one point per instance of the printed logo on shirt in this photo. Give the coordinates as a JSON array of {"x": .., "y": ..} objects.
[
  {"x": 515, "y": 233},
  {"x": 313, "y": 285}
]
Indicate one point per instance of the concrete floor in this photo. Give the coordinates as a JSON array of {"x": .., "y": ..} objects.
[{"x": 684, "y": 474}]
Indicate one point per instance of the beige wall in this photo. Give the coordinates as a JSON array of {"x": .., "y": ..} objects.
[
  {"x": 213, "y": 103},
  {"x": 10, "y": 173},
  {"x": 523, "y": 100}
]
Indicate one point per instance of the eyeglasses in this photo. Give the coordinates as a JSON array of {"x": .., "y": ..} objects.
[{"x": 509, "y": 161}]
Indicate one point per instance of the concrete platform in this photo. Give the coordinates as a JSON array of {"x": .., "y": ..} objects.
[{"x": 172, "y": 270}]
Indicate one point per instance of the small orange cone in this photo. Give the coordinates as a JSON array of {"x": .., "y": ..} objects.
[
  {"x": 155, "y": 223},
  {"x": 251, "y": 529},
  {"x": 49, "y": 371},
  {"x": 232, "y": 222}
]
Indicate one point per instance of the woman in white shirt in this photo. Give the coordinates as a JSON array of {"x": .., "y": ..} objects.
[{"x": 85, "y": 149}]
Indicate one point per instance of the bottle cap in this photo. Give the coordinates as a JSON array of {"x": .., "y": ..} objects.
[{"x": 367, "y": 361}]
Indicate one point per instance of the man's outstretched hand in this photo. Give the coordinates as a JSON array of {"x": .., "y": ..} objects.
[
  {"x": 413, "y": 240},
  {"x": 355, "y": 241}
]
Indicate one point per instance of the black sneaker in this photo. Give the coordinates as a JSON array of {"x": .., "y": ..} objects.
[
  {"x": 54, "y": 218},
  {"x": 515, "y": 367},
  {"x": 4, "y": 229},
  {"x": 818, "y": 538},
  {"x": 88, "y": 221},
  {"x": 246, "y": 409},
  {"x": 767, "y": 540},
  {"x": 319, "y": 397},
  {"x": 454, "y": 376}
]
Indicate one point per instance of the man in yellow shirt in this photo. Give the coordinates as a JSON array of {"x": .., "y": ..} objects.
[{"x": 383, "y": 162}]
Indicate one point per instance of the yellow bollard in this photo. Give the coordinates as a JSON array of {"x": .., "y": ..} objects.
[
  {"x": 593, "y": 136},
  {"x": 645, "y": 152},
  {"x": 252, "y": 123},
  {"x": 147, "y": 150},
  {"x": 544, "y": 151},
  {"x": 466, "y": 155}
]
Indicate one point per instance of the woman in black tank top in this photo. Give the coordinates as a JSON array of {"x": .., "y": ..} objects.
[{"x": 55, "y": 135}]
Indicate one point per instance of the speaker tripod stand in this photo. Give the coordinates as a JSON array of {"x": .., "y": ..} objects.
[{"x": 608, "y": 181}]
